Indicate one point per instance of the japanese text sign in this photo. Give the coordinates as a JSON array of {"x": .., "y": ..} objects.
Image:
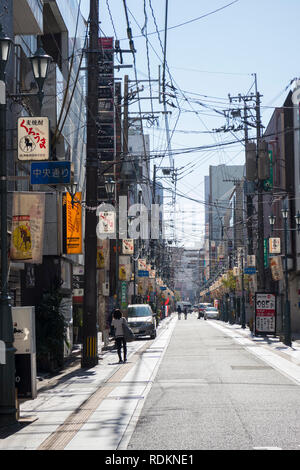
[
  {"x": 50, "y": 173},
  {"x": 72, "y": 224},
  {"x": 33, "y": 138},
  {"x": 265, "y": 313}
]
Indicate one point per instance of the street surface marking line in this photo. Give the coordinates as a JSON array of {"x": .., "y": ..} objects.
[{"x": 59, "y": 439}]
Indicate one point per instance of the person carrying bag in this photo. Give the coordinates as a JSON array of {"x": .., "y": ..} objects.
[{"x": 123, "y": 333}]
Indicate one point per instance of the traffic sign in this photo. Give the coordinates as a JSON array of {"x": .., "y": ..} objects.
[
  {"x": 50, "y": 172},
  {"x": 142, "y": 273},
  {"x": 250, "y": 270}
]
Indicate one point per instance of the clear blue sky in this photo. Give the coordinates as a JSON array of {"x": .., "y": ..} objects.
[{"x": 212, "y": 56}]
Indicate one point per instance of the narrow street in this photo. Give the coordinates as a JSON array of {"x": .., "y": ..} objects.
[{"x": 198, "y": 385}]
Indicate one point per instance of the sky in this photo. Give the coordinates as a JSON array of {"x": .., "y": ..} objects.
[{"x": 213, "y": 48}]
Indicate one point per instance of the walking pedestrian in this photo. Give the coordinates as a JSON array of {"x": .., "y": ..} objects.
[
  {"x": 117, "y": 323},
  {"x": 185, "y": 313},
  {"x": 179, "y": 312}
]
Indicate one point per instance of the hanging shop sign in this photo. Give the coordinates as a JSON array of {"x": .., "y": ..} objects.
[
  {"x": 276, "y": 268},
  {"x": 251, "y": 260},
  {"x": 142, "y": 264},
  {"x": 265, "y": 313},
  {"x": 124, "y": 268},
  {"x": 107, "y": 222},
  {"x": 72, "y": 224},
  {"x": 78, "y": 284},
  {"x": 33, "y": 138},
  {"x": 28, "y": 219},
  {"x": 128, "y": 246},
  {"x": 103, "y": 252},
  {"x": 274, "y": 246}
]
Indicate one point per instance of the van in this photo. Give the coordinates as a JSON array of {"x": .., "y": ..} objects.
[{"x": 141, "y": 320}]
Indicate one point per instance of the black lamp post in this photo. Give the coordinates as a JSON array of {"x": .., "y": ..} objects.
[
  {"x": 110, "y": 186},
  {"x": 7, "y": 370}
]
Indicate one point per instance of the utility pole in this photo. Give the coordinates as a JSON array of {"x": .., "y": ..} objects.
[
  {"x": 90, "y": 346},
  {"x": 260, "y": 209}
]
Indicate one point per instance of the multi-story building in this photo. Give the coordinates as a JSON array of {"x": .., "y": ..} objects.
[{"x": 60, "y": 29}]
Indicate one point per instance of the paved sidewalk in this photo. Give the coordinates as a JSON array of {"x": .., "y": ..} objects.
[
  {"x": 269, "y": 341},
  {"x": 69, "y": 393}
]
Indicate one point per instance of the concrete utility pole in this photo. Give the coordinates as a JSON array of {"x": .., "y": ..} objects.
[
  {"x": 260, "y": 209},
  {"x": 90, "y": 344}
]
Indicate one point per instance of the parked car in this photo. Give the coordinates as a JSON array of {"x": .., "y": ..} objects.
[
  {"x": 202, "y": 307},
  {"x": 141, "y": 320},
  {"x": 211, "y": 312}
]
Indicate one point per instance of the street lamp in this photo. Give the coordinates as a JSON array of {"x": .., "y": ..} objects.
[
  {"x": 110, "y": 187},
  {"x": 5, "y": 47},
  {"x": 272, "y": 219},
  {"x": 7, "y": 370},
  {"x": 40, "y": 62}
]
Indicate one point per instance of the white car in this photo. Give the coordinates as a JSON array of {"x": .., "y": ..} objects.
[{"x": 211, "y": 312}]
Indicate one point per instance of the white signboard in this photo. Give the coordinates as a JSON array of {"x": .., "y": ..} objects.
[
  {"x": 128, "y": 246},
  {"x": 106, "y": 222},
  {"x": 33, "y": 138},
  {"x": 265, "y": 313},
  {"x": 274, "y": 246}
]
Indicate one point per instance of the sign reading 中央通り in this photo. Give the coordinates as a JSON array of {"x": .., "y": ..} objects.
[
  {"x": 50, "y": 172},
  {"x": 265, "y": 313},
  {"x": 33, "y": 138}
]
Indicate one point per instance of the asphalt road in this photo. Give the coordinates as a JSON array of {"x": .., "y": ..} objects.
[{"x": 211, "y": 393}]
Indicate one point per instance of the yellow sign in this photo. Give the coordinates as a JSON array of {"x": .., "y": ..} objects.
[
  {"x": 72, "y": 224},
  {"x": 28, "y": 227},
  {"x": 21, "y": 238}
]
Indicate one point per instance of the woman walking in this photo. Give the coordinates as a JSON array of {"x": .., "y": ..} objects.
[{"x": 117, "y": 323}]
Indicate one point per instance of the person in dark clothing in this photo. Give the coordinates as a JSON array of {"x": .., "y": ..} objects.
[
  {"x": 117, "y": 323},
  {"x": 179, "y": 312},
  {"x": 185, "y": 313}
]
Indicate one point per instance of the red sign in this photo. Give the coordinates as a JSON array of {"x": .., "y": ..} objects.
[{"x": 265, "y": 313}]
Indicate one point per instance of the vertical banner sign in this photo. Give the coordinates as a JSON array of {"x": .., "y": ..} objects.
[
  {"x": 265, "y": 313},
  {"x": 28, "y": 220},
  {"x": 128, "y": 246},
  {"x": 124, "y": 268},
  {"x": 103, "y": 252},
  {"x": 274, "y": 246},
  {"x": 33, "y": 138},
  {"x": 72, "y": 224},
  {"x": 276, "y": 268}
]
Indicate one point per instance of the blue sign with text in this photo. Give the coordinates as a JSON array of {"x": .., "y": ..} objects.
[
  {"x": 142, "y": 273},
  {"x": 50, "y": 172}
]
